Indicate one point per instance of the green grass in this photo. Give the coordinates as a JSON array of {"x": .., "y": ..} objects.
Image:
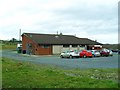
[
  {"x": 16, "y": 74},
  {"x": 8, "y": 47}
]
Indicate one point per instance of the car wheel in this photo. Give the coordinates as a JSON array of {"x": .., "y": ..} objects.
[
  {"x": 71, "y": 56},
  {"x": 61, "y": 56},
  {"x": 93, "y": 55},
  {"x": 106, "y": 55},
  {"x": 84, "y": 56}
]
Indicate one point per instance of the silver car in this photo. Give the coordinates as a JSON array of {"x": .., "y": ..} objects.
[
  {"x": 69, "y": 54},
  {"x": 110, "y": 53},
  {"x": 95, "y": 53}
]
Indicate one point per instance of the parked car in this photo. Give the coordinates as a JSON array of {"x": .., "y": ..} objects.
[
  {"x": 85, "y": 54},
  {"x": 119, "y": 52},
  {"x": 95, "y": 53},
  {"x": 110, "y": 53},
  {"x": 19, "y": 48},
  {"x": 115, "y": 50},
  {"x": 104, "y": 53},
  {"x": 69, "y": 54}
]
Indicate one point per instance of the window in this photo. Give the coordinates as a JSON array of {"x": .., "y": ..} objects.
[
  {"x": 74, "y": 45},
  {"x": 82, "y": 45},
  {"x": 45, "y": 46},
  {"x": 29, "y": 45},
  {"x": 66, "y": 46}
]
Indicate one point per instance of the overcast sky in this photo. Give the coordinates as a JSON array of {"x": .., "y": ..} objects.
[{"x": 93, "y": 19}]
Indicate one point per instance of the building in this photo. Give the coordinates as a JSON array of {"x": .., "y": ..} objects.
[
  {"x": 48, "y": 44},
  {"x": 95, "y": 47}
]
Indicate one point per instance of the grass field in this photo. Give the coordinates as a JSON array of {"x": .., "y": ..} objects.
[
  {"x": 16, "y": 74},
  {"x": 8, "y": 47}
]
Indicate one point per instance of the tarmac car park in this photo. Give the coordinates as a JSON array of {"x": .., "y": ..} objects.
[{"x": 55, "y": 60}]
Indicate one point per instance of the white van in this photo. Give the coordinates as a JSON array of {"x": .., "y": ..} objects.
[{"x": 19, "y": 45}]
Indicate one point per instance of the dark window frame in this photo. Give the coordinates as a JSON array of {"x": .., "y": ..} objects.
[
  {"x": 75, "y": 46},
  {"x": 66, "y": 46},
  {"x": 45, "y": 46},
  {"x": 81, "y": 45}
]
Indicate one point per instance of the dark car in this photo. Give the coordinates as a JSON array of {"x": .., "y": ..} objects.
[
  {"x": 115, "y": 51},
  {"x": 119, "y": 52},
  {"x": 104, "y": 53}
]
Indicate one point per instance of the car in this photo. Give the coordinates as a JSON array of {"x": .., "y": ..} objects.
[
  {"x": 69, "y": 54},
  {"x": 95, "y": 53},
  {"x": 115, "y": 50},
  {"x": 119, "y": 52},
  {"x": 104, "y": 53},
  {"x": 110, "y": 53},
  {"x": 19, "y": 48},
  {"x": 85, "y": 53}
]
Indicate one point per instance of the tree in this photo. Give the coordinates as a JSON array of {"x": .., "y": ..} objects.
[
  {"x": 13, "y": 40},
  {"x": 61, "y": 34}
]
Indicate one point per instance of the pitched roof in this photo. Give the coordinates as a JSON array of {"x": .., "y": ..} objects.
[{"x": 58, "y": 39}]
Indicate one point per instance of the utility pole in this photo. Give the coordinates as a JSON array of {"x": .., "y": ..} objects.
[
  {"x": 57, "y": 32},
  {"x": 19, "y": 35}
]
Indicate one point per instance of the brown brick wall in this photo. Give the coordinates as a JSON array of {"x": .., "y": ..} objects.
[
  {"x": 26, "y": 40},
  {"x": 36, "y": 49},
  {"x": 44, "y": 51}
]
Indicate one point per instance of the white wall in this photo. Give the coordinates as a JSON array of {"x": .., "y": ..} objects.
[
  {"x": 56, "y": 49},
  {"x": 74, "y": 48},
  {"x": 82, "y": 48},
  {"x": 65, "y": 49}
]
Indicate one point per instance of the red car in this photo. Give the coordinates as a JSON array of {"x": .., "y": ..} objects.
[
  {"x": 104, "y": 53},
  {"x": 85, "y": 54}
]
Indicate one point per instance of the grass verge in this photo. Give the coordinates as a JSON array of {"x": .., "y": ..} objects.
[
  {"x": 8, "y": 47},
  {"x": 16, "y": 74}
]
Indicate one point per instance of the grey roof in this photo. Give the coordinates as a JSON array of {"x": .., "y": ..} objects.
[{"x": 59, "y": 39}]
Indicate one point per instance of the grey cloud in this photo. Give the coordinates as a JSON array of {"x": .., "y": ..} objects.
[{"x": 76, "y": 18}]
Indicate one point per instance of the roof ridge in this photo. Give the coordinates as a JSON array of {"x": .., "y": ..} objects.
[
  {"x": 64, "y": 39},
  {"x": 48, "y": 34}
]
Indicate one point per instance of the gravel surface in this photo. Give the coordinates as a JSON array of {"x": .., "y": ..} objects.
[{"x": 97, "y": 62}]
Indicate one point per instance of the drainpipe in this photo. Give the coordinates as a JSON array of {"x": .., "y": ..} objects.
[
  {"x": 86, "y": 47},
  {"x": 70, "y": 47},
  {"x": 78, "y": 47}
]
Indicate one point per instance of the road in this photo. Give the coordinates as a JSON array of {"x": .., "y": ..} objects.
[{"x": 98, "y": 62}]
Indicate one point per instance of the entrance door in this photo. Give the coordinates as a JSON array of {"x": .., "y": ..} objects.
[{"x": 29, "y": 48}]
